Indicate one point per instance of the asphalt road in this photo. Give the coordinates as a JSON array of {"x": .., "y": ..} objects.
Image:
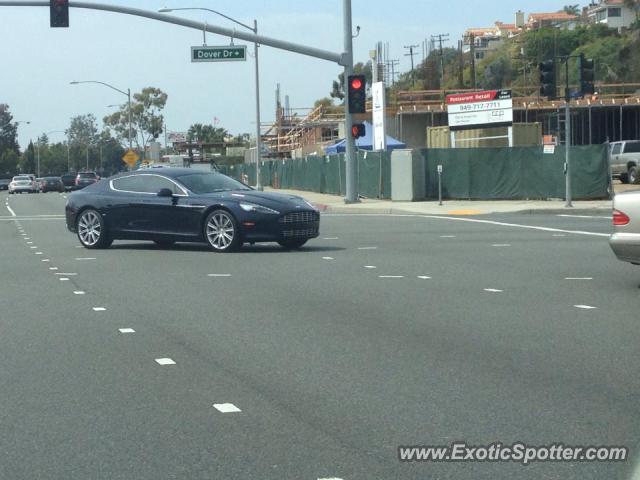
[{"x": 466, "y": 330}]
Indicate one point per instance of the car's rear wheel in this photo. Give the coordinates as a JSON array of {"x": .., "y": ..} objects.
[
  {"x": 221, "y": 231},
  {"x": 92, "y": 231},
  {"x": 633, "y": 175},
  {"x": 292, "y": 244}
]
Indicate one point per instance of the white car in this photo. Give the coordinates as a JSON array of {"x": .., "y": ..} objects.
[{"x": 23, "y": 183}]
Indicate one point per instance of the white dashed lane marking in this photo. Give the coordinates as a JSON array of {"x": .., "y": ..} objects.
[
  {"x": 390, "y": 276},
  {"x": 78, "y": 292},
  {"x": 367, "y": 248},
  {"x": 38, "y": 253},
  {"x": 13, "y": 214},
  {"x": 493, "y": 290},
  {"x": 330, "y": 238},
  {"x": 327, "y": 258},
  {"x": 64, "y": 279},
  {"x": 424, "y": 277},
  {"x": 226, "y": 408},
  {"x": 579, "y": 278},
  {"x": 370, "y": 267},
  {"x": 126, "y": 330},
  {"x": 501, "y": 245},
  {"x": 85, "y": 258},
  {"x": 585, "y": 307},
  {"x": 99, "y": 309},
  {"x": 218, "y": 275},
  {"x": 45, "y": 260},
  {"x": 67, "y": 274},
  {"x": 447, "y": 236},
  {"x": 165, "y": 361},
  {"x": 53, "y": 268}
]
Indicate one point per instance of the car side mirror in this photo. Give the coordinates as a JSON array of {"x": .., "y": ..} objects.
[{"x": 165, "y": 192}]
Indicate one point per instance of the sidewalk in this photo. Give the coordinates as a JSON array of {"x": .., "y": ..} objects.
[{"x": 335, "y": 204}]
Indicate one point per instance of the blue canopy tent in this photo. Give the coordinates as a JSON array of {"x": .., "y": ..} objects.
[{"x": 364, "y": 143}]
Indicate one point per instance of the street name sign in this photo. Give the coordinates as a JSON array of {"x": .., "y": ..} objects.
[
  {"x": 229, "y": 53},
  {"x": 492, "y": 108},
  {"x": 130, "y": 158}
]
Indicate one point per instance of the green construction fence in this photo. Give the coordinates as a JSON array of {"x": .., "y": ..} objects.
[
  {"x": 516, "y": 173},
  {"x": 321, "y": 174}
]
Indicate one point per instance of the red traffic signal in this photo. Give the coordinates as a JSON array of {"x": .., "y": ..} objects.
[
  {"x": 357, "y": 130},
  {"x": 357, "y": 94}
]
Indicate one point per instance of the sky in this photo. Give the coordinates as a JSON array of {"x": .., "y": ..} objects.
[{"x": 38, "y": 62}]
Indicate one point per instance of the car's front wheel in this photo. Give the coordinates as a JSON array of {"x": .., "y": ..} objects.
[
  {"x": 92, "y": 231},
  {"x": 221, "y": 231},
  {"x": 292, "y": 244}
]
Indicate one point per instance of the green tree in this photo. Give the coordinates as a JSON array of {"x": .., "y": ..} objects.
[
  {"x": 572, "y": 9},
  {"x": 8, "y": 130},
  {"x": 206, "y": 134},
  {"x": 27, "y": 162},
  {"x": 147, "y": 123},
  {"x": 8, "y": 162}
]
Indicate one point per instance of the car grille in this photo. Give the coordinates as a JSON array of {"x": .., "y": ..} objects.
[
  {"x": 305, "y": 233},
  {"x": 300, "y": 217}
]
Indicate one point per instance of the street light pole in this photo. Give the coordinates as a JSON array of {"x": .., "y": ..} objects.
[
  {"x": 127, "y": 93},
  {"x": 254, "y": 29}
]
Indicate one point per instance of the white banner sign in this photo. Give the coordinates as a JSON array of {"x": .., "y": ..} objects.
[
  {"x": 478, "y": 109},
  {"x": 379, "y": 135}
]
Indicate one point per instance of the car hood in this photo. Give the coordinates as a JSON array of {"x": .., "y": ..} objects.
[{"x": 268, "y": 199}]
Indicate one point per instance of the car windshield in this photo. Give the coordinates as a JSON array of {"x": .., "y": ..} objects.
[{"x": 210, "y": 183}]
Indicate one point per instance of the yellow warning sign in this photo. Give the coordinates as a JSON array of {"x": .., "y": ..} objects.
[{"x": 130, "y": 158}]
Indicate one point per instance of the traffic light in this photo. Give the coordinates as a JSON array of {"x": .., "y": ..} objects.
[
  {"x": 587, "y": 75},
  {"x": 548, "y": 79},
  {"x": 357, "y": 94},
  {"x": 357, "y": 130},
  {"x": 59, "y": 13}
]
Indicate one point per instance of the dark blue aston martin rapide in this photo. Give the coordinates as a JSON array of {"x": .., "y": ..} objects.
[{"x": 168, "y": 205}]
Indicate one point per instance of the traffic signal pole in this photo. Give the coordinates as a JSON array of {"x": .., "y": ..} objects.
[
  {"x": 567, "y": 138},
  {"x": 350, "y": 150}
]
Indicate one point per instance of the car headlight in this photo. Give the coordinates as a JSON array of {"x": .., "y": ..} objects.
[
  {"x": 310, "y": 204},
  {"x": 253, "y": 207}
]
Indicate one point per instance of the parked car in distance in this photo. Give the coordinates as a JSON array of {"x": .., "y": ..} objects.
[
  {"x": 69, "y": 181},
  {"x": 51, "y": 184},
  {"x": 23, "y": 183},
  {"x": 625, "y": 241},
  {"x": 624, "y": 158},
  {"x": 4, "y": 183},
  {"x": 86, "y": 178}
]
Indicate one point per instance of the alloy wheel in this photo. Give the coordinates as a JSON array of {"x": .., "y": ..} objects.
[
  {"x": 220, "y": 231},
  {"x": 89, "y": 228}
]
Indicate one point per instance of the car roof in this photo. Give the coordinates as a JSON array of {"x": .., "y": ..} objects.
[{"x": 166, "y": 172}]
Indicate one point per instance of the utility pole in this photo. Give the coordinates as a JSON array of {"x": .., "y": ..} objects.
[
  {"x": 411, "y": 54},
  {"x": 461, "y": 66},
  {"x": 441, "y": 37},
  {"x": 472, "y": 48}
]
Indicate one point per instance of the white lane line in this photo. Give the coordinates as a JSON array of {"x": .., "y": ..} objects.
[
  {"x": 579, "y": 278},
  {"x": 13, "y": 214},
  {"x": 33, "y": 246},
  {"x": 226, "y": 408},
  {"x": 38, "y": 253},
  {"x": 370, "y": 267},
  {"x": 53, "y": 268},
  {"x": 165, "y": 361},
  {"x": 447, "y": 236},
  {"x": 501, "y": 245},
  {"x": 332, "y": 478},
  {"x": 99, "y": 309},
  {"x": 78, "y": 292},
  {"x": 327, "y": 258},
  {"x": 367, "y": 248},
  {"x": 559, "y": 235},
  {"x": 390, "y": 276},
  {"x": 218, "y": 275},
  {"x": 45, "y": 260},
  {"x": 26, "y": 238},
  {"x": 63, "y": 279},
  {"x": 86, "y": 258},
  {"x": 584, "y": 216},
  {"x": 493, "y": 290},
  {"x": 585, "y": 307},
  {"x": 330, "y": 238},
  {"x": 126, "y": 330},
  {"x": 29, "y": 243},
  {"x": 67, "y": 274},
  {"x": 424, "y": 277},
  {"x": 470, "y": 220}
]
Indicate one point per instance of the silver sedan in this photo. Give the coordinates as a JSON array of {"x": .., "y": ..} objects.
[{"x": 625, "y": 241}]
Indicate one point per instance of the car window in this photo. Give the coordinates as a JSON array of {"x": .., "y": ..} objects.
[
  {"x": 210, "y": 182},
  {"x": 145, "y": 184},
  {"x": 616, "y": 149},
  {"x": 632, "y": 147}
]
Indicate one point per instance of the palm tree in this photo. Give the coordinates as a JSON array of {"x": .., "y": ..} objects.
[{"x": 572, "y": 9}]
